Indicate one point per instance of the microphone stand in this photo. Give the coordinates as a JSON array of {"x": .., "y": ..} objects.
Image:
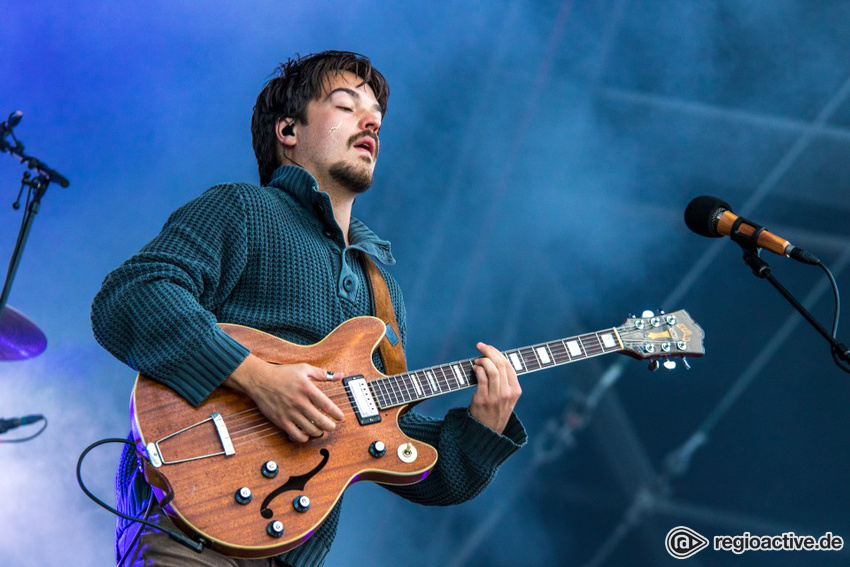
[
  {"x": 37, "y": 188},
  {"x": 761, "y": 269}
]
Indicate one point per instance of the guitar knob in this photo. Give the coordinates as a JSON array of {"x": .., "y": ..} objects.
[
  {"x": 377, "y": 449},
  {"x": 270, "y": 469},
  {"x": 243, "y": 495},
  {"x": 275, "y": 528},
  {"x": 301, "y": 503}
]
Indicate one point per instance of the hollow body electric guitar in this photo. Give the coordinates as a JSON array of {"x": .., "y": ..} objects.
[{"x": 229, "y": 477}]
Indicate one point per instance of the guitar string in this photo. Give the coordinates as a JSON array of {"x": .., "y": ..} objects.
[
  {"x": 253, "y": 413},
  {"x": 557, "y": 351},
  {"x": 400, "y": 393},
  {"x": 251, "y": 425}
]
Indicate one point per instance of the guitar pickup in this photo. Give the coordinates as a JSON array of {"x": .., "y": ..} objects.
[{"x": 362, "y": 400}]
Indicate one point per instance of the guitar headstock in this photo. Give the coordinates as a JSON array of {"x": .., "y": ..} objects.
[{"x": 662, "y": 336}]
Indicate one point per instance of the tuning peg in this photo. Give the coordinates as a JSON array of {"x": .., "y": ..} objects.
[
  {"x": 659, "y": 312},
  {"x": 654, "y": 365},
  {"x": 685, "y": 362},
  {"x": 669, "y": 364},
  {"x": 647, "y": 314},
  {"x": 631, "y": 316}
]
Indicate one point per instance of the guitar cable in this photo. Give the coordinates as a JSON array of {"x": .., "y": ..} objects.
[{"x": 176, "y": 536}]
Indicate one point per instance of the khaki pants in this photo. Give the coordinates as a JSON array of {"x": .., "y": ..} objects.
[{"x": 154, "y": 548}]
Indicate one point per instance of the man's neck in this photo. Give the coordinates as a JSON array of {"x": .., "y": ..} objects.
[{"x": 342, "y": 201}]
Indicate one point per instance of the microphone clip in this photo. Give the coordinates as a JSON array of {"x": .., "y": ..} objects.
[{"x": 749, "y": 242}]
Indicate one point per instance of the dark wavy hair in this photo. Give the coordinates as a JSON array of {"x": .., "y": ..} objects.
[{"x": 295, "y": 83}]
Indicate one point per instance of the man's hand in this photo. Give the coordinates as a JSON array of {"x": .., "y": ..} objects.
[
  {"x": 498, "y": 389},
  {"x": 287, "y": 396}
]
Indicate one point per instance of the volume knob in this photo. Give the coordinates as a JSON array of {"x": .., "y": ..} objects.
[
  {"x": 270, "y": 469},
  {"x": 275, "y": 528},
  {"x": 243, "y": 495},
  {"x": 301, "y": 503},
  {"x": 377, "y": 449}
]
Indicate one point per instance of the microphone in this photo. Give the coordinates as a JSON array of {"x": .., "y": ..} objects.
[
  {"x": 13, "y": 120},
  {"x": 712, "y": 217},
  {"x": 7, "y": 424}
]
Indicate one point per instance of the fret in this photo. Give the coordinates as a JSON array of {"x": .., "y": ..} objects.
[
  {"x": 470, "y": 374},
  {"x": 530, "y": 359},
  {"x": 598, "y": 348},
  {"x": 426, "y": 381},
  {"x": 410, "y": 391},
  {"x": 590, "y": 344},
  {"x": 555, "y": 348},
  {"x": 405, "y": 389},
  {"x": 436, "y": 380},
  {"x": 566, "y": 350},
  {"x": 392, "y": 392},
  {"x": 395, "y": 388},
  {"x": 386, "y": 394},
  {"x": 447, "y": 377},
  {"x": 376, "y": 391},
  {"x": 536, "y": 356}
]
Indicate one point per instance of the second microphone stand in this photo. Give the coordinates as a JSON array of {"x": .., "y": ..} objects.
[{"x": 761, "y": 269}]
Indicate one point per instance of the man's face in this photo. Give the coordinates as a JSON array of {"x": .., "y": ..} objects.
[{"x": 339, "y": 141}]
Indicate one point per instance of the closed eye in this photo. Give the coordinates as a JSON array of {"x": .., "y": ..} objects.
[{"x": 347, "y": 109}]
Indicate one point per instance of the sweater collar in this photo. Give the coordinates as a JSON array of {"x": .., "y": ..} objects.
[{"x": 303, "y": 187}]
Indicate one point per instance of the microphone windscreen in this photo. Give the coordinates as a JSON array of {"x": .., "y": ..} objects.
[{"x": 701, "y": 215}]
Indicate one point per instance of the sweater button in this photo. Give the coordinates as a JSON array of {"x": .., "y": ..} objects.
[
  {"x": 327, "y": 232},
  {"x": 348, "y": 283}
]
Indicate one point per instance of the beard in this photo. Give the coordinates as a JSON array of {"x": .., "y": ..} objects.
[{"x": 355, "y": 179}]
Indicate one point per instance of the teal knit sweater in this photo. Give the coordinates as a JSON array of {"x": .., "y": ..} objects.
[{"x": 272, "y": 258}]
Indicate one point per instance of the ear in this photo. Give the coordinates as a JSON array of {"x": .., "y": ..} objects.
[{"x": 285, "y": 132}]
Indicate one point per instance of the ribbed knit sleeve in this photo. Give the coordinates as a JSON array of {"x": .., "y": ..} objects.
[{"x": 155, "y": 312}]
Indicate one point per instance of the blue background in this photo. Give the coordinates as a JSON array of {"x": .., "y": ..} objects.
[{"x": 536, "y": 160}]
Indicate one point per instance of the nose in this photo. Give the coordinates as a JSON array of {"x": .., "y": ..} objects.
[{"x": 370, "y": 121}]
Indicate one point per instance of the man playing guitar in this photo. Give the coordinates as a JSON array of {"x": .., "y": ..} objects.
[{"x": 287, "y": 258}]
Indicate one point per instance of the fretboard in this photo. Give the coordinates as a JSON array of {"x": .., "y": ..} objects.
[{"x": 418, "y": 385}]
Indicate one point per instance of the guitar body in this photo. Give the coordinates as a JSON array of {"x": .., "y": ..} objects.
[{"x": 204, "y": 488}]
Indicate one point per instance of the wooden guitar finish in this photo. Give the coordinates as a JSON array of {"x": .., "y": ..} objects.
[
  {"x": 203, "y": 456},
  {"x": 204, "y": 490}
]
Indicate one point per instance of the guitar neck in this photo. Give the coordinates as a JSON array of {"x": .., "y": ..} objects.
[{"x": 419, "y": 385}]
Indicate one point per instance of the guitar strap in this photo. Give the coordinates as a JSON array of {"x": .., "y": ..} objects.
[{"x": 390, "y": 347}]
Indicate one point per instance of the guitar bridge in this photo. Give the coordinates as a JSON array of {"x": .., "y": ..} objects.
[
  {"x": 361, "y": 400},
  {"x": 157, "y": 459}
]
